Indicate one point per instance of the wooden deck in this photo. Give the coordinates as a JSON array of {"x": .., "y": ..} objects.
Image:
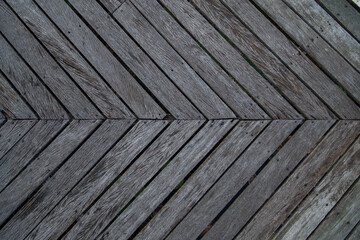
[{"x": 180, "y": 119}]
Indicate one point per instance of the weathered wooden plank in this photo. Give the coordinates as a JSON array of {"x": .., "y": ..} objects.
[
  {"x": 341, "y": 220},
  {"x": 232, "y": 181},
  {"x": 221, "y": 83},
  {"x": 70, "y": 59},
  {"x": 329, "y": 29},
  {"x": 265, "y": 94},
  {"x": 163, "y": 89},
  {"x": 196, "y": 185},
  {"x": 11, "y": 132},
  {"x": 324, "y": 197},
  {"x": 91, "y": 186},
  {"x": 275, "y": 71},
  {"x": 175, "y": 67},
  {"x": 112, "y": 5},
  {"x": 355, "y": 233},
  {"x": 314, "y": 45},
  {"x": 12, "y": 103},
  {"x": 287, "y": 197},
  {"x": 55, "y": 188},
  {"x": 125, "y": 188},
  {"x": 129, "y": 220},
  {"x": 325, "y": 88},
  {"x": 39, "y": 169},
  {"x": 138, "y": 100},
  {"x": 45, "y": 66},
  {"x": 27, "y": 83}
]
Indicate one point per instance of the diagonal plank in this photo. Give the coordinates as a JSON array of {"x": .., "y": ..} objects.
[
  {"x": 112, "y": 5},
  {"x": 355, "y": 233}
]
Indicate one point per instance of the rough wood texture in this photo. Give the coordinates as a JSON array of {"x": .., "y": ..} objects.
[
  {"x": 355, "y": 233},
  {"x": 112, "y": 5}
]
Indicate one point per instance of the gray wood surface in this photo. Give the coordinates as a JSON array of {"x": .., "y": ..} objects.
[
  {"x": 314, "y": 45},
  {"x": 163, "y": 89},
  {"x": 56, "y": 187},
  {"x": 70, "y": 59},
  {"x": 355, "y": 233},
  {"x": 324, "y": 197},
  {"x": 91, "y": 186},
  {"x": 39, "y": 169},
  {"x": 287, "y": 197},
  {"x": 276, "y": 71},
  {"x": 260, "y": 89},
  {"x": 131, "y": 92},
  {"x": 125, "y": 188},
  {"x": 232, "y": 181},
  {"x": 45, "y": 66},
  {"x": 295, "y": 59},
  {"x": 201, "y": 180},
  {"x": 28, "y": 84},
  {"x": 11, "y": 132},
  {"x": 175, "y": 67},
  {"x": 112, "y": 5},
  {"x": 221, "y": 83}
]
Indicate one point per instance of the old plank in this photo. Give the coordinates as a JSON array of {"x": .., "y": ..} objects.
[
  {"x": 39, "y": 169},
  {"x": 264, "y": 93},
  {"x": 145, "y": 69},
  {"x": 63, "y": 180},
  {"x": 221, "y": 83},
  {"x": 45, "y": 66},
  {"x": 112, "y": 5},
  {"x": 70, "y": 59},
  {"x": 324, "y": 197},
  {"x": 199, "y": 182},
  {"x": 175, "y": 67},
  {"x": 355, "y": 233},
  {"x": 28, "y": 84},
  {"x": 138, "y": 100},
  {"x": 323, "y": 86},
  {"x": 96, "y": 181},
  {"x": 125, "y": 188},
  {"x": 314, "y": 45},
  {"x": 232, "y": 181},
  {"x": 287, "y": 197}
]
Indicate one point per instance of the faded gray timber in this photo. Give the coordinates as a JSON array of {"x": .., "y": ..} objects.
[
  {"x": 355, "y": 233},
  {"x": 112, "y": 5}
]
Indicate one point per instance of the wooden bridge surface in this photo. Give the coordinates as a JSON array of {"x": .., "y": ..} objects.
[{"x": 179, "y": 119}]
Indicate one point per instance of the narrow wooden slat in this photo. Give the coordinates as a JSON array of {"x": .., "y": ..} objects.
[
  {"x": 163, "y": 89},
  {"x": 199, "y": 93},
  {"x": 53, "y": 190},
  {"x": 265, "y": 94},
  {"x": 96, "y": 181},
  {"x": 195, "y": 186},
  {"x": 227, "y": 186},
  {"x": 12, "y": 103},
  {"x": 200, "y": 61},
  {"x": 314, "y": 45},
  {"x": 125, "y": 188},
  {"x": 70, "y": 59},
  {"x": 11, "y": 132},
  {"x": 138, "y": 100},
  {"x": 29, "y": 86},
  {"x": 355, "y": 233},
  {"x": 129, "y": 220},
  {"x": 295, "y": 59},
  {"x": 324, "y": 197},
  {"x": 282, "y": 203},
  {"x": 45, "y": 66},
  {"x": 112, "y": 5}
]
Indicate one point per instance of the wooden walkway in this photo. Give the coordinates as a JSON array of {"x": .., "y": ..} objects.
[{"x": 179, "y": 119}]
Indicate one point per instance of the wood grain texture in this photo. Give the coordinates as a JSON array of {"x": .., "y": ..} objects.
[
  {"x": 125, "y": 188},
  {"x": 96, "y": 181},
  {"x": 138, "y": 100},
  {"x": 287, "y": 197},
  {"x": 163, "y": 89},
  {"x": 260, "y": 89},
  {"x": 275, "y": 71},
  {"x": 112, "y": 5},
  {"x": 45, "y": 66},
  {"x": 55, "y": 188},
  {"x": 355, "y": 233},
  {"x": 70, "y": 59},
  {"x": 221, "y": 83},
  {"x": 39, "y": 169},
  {"x": 314, "y": 45},
  {"x": 201, "y": 180},
  {"x": 295, "y": 59}
]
